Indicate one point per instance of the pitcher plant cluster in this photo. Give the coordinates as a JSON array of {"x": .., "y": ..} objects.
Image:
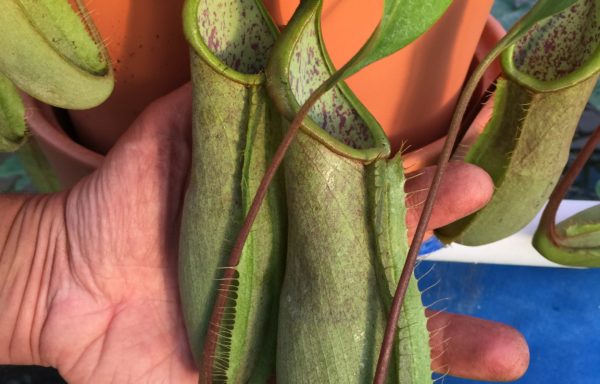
[{"x": 307, "y": 270}]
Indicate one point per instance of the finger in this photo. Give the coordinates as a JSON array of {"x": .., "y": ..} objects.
[
  {"x": 465, "y": 188},
  {"x": 476, "y": 349}
]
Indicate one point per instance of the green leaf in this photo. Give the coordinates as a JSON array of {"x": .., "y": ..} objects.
[{"x": 403, "y": 21}]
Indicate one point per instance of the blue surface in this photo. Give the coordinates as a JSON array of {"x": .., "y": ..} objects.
[
  {"x": 430, "y": 245},
  {"x": 556, "y": 309},
  {"x": 13, "y": 177}
]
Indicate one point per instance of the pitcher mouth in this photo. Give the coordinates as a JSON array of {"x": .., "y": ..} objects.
[
  {"x": 558, "y": 53},
  {"x": 298, "y": 66},
  {"x": 239, "y": 51}
]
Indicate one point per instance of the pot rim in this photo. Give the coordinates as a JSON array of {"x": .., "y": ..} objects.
[{"x": 43, "y": 124}]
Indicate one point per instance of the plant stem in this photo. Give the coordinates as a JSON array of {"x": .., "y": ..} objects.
[{"x": 472, "y": 113}]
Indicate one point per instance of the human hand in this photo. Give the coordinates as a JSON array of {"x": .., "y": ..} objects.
[{"x": 110, "y": 311}]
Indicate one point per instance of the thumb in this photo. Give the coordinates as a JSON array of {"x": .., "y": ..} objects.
[{"x": 465, "y": 189}]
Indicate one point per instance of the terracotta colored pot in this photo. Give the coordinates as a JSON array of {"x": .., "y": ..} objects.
[
  {"x": 428, "y": 154},
  {"x": 149, "y": 56},
  {"x": 73, "y": 161},
  {"x": 413, "y": 92}
]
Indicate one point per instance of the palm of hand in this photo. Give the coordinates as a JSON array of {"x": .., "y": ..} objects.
[{"x": 115, "y": 314}]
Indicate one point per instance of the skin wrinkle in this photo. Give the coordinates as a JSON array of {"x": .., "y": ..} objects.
[
  {"x": 66, "y": 356},
  {"x": 161, "y": 267},
  {"x": 49, "y": 265},
  {"x": 103, "y": 274},
  {"x": 100, "y": 344},
  {"x": 61, "y": 278},
  {"x": 18, "y": 224},
  {"x": 165, "y": 360},
  {"x": 31, "y": 262},
  {"x": 41, "y": 255},
  {"x": 91, "y": 345},
  {"x": 88, "y": 281}
]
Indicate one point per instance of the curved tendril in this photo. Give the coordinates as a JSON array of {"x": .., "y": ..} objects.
[{"x": 548, "y": 220}]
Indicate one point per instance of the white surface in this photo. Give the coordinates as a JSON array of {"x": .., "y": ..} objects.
[{"x": 514, "y": 250}]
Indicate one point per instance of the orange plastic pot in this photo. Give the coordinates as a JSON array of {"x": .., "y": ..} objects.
[
  {"x": 72, "y": 161},
  {"x": 428, "y": 154},
  {"x": 413, "y": 92},
  {"x": 150, "y": 58}
]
